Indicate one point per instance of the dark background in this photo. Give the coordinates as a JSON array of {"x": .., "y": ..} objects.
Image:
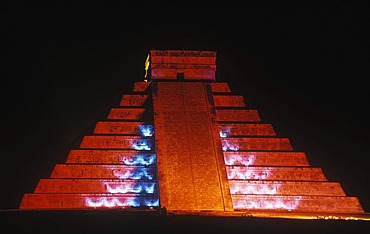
[{"x": 303, "y": 64}]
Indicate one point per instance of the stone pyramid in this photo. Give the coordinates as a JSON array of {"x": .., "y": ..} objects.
[{"x": 183, "y": 141}]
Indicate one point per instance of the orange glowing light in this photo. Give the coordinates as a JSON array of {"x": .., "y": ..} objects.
[{"x": 147, "y": 63}]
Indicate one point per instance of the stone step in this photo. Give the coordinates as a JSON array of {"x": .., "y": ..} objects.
[
  {"x": 267, "y": 158},
  {"x": 126, "y": 113},
  {"x": 127, "y": 128},
  {"x": 103, "y": 172},
  {"x": 141, "y": 86},
  {"x": 275, "y": 173},
  {"x": 230, "y": 115},
  {"x": 117, "y": 142},
  {"x": 228, "y": 101},
  {"x": 125, "y": 157},
  {"x": 133, "y": 100},
  {"x": 86, "y": 201},
  {"x": 286, "y": 188},
  {"x": 220, "y": 87},
  {"x": 115, "y": 186},
  {"x": 256, "y": 143},
  {"x": 332, "y": 204},
  {"x": 246, "y": 129}
]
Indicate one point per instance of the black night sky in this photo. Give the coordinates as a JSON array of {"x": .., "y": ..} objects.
[{"x": 303, "y": 64}]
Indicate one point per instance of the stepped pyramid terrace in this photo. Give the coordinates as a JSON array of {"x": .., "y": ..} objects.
[{"x": 184, "y": 142}]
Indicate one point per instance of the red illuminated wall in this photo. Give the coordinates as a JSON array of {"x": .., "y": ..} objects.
[{"x": 202, "y": 148}]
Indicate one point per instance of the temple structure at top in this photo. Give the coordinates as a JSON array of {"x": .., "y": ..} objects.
[{"x": 184, "y": 141}]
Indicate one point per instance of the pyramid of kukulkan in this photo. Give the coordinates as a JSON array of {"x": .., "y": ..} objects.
[{"x": 183, "y": 141}]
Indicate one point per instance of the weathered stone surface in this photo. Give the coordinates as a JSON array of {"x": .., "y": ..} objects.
[
  {"x": 220, "y": 88},
  {"x": 83, "y": 201},
  {"x": 141, "y": 86},
  {"x": 260, "y": 143},
  {"x": 316, "y": 188},
  {"x": 331, "y": 204},
  {"x": 264, "y": 158},
  {"x": 103, "y": 171},
  {"x": 133, "y": 99},
  {"x": 96, "y": 186},
  {"x": 228, "y": 101},
  {"x": 228, "y": 115},
  {"x": 126, "y": 113},
  {"x": 113, "y": 127},
  {"x": 275, "y": 173},
  {"x": 116, "y": 142},
  {"x": 246, "y": 129},
  {"x": 104, "y": 156}
]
